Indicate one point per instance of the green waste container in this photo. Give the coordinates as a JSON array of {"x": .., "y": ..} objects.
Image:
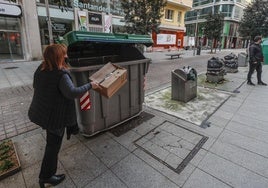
[
  {"x": 265, "y": 50},
  {"x": 88, "y": 52}
]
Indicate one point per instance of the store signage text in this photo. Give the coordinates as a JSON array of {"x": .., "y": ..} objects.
[
  {"x": 96, "y": 7},
  {"x": 88, "y": 6},
  {"x": 10, "y": 10}
]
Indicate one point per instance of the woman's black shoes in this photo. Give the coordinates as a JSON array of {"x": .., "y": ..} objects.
[{"x": 53, "y": 180}]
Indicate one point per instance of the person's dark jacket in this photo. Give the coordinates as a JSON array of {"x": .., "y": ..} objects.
[
  {"x": 255, "y": 53},
  {"x": 53, "y": 106}
]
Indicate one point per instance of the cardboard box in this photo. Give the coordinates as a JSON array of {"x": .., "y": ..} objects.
[{"x": 110, "y": 78}]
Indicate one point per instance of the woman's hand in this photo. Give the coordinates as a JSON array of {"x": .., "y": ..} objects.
[{"x": 94, "y": 85}]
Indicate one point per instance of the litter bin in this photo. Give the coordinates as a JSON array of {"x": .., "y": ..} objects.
[
  {"x": 265, "y": 50},
  {"x": 183, "y": 85},
  {"x": 242, "y": 59},
  {"x": 88, "y": 52}
]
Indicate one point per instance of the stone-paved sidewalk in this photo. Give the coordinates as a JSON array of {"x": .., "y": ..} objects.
[{"x": 14, "y": 103}]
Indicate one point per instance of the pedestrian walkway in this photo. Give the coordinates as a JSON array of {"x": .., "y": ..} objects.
[{"x": 164, "y": 151}]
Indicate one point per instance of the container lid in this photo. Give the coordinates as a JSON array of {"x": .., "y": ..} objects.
[{"x": 73, "y": 38}]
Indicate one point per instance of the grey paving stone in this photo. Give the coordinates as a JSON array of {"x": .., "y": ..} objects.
[
  {"x": 144, "y": 128},
  {"x": 244, "y": 158},
  {"x": 244, "y": 142},
  {"x": 68, "y": 143},
  {"x": 13, "y": 181},
  {"x": 248, "y": 131},
  {"x": 230, "y": 107},
  {"x": 212, "y": 131},
  {"x": 199, "y": 157},
  {"x": 235, "y": 101},
  {"x": 127, "y": 139},
  {"x": 162, "y": 115},
  {"x": 224, "y": 114},
  {"x": 261, "y": 115},
  {"x": 31, "y": 174},
  {"x": 259, "y": 94},
  {"x": 157, "y": 120},
  {"x": 107, "y": 150},
  {"x": 254, "y": 107},
  {"x": 230, "y": 173},
  {"x": 154, "y": 149},
  {"x": 200, "y": 179},
  {"x": 30, "y": 149},
  {"x": 106, "y": 180},
  {"x": 136, "y": 173},
  {"x": 174, "y": 131},
  {"x": 179, "y": 179},
  {"x": 175, "y": 145},
  {"x": 218, "y": 121},
  {"x": 81, "y": 164},
  {"x": 251, "y": 121}
]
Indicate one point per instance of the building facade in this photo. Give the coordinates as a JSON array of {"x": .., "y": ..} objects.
[
  {"x": 25, "y": 30},
  {"x": 232, "y": 11},
  {"x": 172, "y": 28},
  {"x": 28, "y": 26}
]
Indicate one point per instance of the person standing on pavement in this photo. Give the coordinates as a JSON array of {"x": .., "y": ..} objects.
[
  {"x": 219, "y": 45},
  {"x": 53, "y": 107},
  {"x": 255, "y": 61}
]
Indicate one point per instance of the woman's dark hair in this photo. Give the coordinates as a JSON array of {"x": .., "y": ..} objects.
[{"x": 54, "y": 57}]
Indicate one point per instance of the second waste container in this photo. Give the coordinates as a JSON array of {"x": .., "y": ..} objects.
[
  {"x": 88, "y": 52},
  {"x": 265, "y": 50}
]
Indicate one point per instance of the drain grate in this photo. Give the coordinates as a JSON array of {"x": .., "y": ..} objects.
[
  {"x": 131, "y": 124},
  {"x": 11, "y": 68},
  {"x": 172, "y": 145}
]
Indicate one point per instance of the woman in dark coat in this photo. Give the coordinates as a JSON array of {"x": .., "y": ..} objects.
[{"x": 53, "y": 107}]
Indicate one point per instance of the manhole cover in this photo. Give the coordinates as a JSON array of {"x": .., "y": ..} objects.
[
  {"x": 131, "y": 124},
  {"x": 11, "y": 67},
  {"x": 172, "y": 145}
]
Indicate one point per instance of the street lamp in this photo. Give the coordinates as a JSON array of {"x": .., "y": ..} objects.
[{"x": 196, "y": 26}]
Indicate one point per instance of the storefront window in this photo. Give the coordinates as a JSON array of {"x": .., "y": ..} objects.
[{"x": 10, "y": 39}]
